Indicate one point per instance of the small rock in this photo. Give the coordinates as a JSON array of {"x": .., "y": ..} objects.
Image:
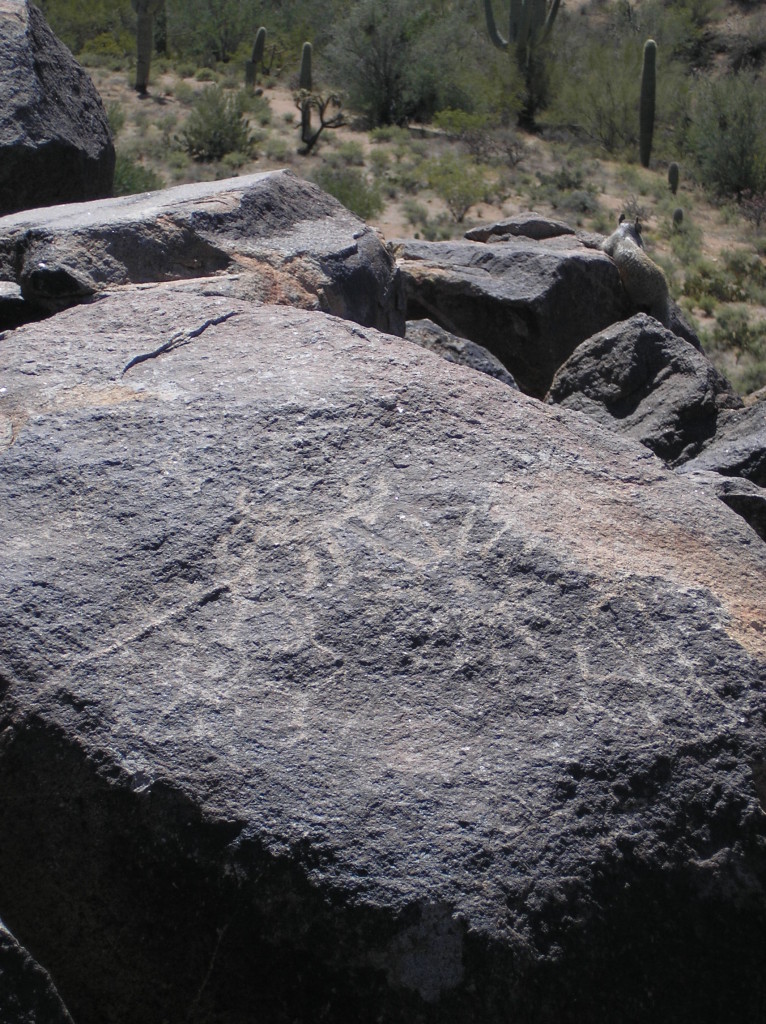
[{"x": 454, "y": 349}]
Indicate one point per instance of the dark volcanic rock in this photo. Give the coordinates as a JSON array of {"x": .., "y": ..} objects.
[
  {"x": 530, "y": 303},
  {"x": 290, "y": 242},
  {"x": 639, "y": 378},
  {"x": 743, "y": 496},
  {"x": 429, "y": 335},
  {"x": 55, "y": 143},
  {"x": 527, "y": 225},
  {"x": 340, "y": 684},
  {"x": 27, "y": 994},
  {"x": 739, "y": 446}
]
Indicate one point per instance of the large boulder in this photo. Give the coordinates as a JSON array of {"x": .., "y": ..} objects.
[
  {"x": 641, "y": 379},
  {"x": 530, "y": 303},
  {"x": 55, "y": 143},
  {"x": 738, "y": 447},
  {"x": 287, "y": 240},
  {"x": 340, "y": 683},
  {"x": 27, "y": 994}
]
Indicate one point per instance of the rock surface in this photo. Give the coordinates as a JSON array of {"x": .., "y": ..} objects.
[
  {"x": 55, "y": 143},
  {"x": 530, "y": 303},
  {"x": 639, "y": 378},
  {"x": 337, "y": 683},
  {"x": 290, "y": 242},
  {"x": 739, "y": 446},
  {"x": 743, "y": 496},
  {"x": 527, "y": 225},
  {"x": 27, "y": 994},
  {"x": 429, "y": 335}
]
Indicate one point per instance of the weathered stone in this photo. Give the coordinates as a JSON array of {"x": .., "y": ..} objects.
[
  {"x": 739, "y": 446},
  {"x": 340, "y": 684},
  {"x": 55, "y": 143},
  {"x": 12, "y": 307},
  {"x": 27, "y": 994},
  {"x": 527, "y": 225},
  {"x": 641, "y": 379},
  {"x": 429, "y": 335},
  {"x": 290, "y": 242},
  {"x": 529, "y": 303},
  {"x": 743, "y": 496}
]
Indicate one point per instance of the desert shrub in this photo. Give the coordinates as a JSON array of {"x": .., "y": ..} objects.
[
  {"x": 459, "y": 181},
  {"x": 685, "y": 241},
  {"x": 215, "y": 126},
  {"x": 350, "y": 187},
  {"x": 350, "y": 153},
  {"x": 257, "y": 106},
  {"x": 278, "y": 150},
  {"x": 735, "y": 329},
  {"x": 116, "y": 116},
  {"x": 206, "y": 75},
  {"x": 415, "y": 212},
  {"x": 131, "y": 177},
  {"x": 753, "y": 207},
  {"x": 380, "y": 162},
  {"x": 579, "y": 201},
  {"x": 707, "y": 279},
  {"x": 728, "y": 136},
  {"x": 184, "y": 93}
]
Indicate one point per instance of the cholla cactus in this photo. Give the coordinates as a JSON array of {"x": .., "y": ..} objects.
[{"x": 145, "y": 12}]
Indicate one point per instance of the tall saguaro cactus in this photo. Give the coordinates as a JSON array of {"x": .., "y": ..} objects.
[
  {"x": 304, "y": 84},
  {"x": 646, "y": 107},
  {"x": 529, "y": 26},
  {"x": 145, "y": 12},
  {"x": 251, "y": 66}
]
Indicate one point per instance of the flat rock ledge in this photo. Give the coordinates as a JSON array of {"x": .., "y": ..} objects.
[
  {"x": 339, "y": 683},
  {"x": 288, "y": 241}
]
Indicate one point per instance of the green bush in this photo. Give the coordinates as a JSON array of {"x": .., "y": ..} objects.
[
  {"x": 131, "y": 177},
  {"x": 216, "y": 126},
  {"x": 459, "y": 181},
  {"x": 350, "y": 187},
  {"x": 728, "y": 136}
]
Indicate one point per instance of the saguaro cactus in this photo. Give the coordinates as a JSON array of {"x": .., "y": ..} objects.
[
  {"x": 251, "y": 66},
  {"x": 529, "y": 25},
  {"x": 646, "y": 108},
  {"x": 145, "y": 12},
  {"x": 304, "y": 84}
]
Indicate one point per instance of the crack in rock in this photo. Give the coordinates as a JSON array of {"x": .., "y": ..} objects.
[{"x": 178, "y": 341}]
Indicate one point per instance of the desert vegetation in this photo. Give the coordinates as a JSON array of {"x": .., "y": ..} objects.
[{"x": 425, "y": 118}]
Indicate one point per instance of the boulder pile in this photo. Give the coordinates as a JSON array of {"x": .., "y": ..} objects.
[{"x": 340, "y": 681}]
